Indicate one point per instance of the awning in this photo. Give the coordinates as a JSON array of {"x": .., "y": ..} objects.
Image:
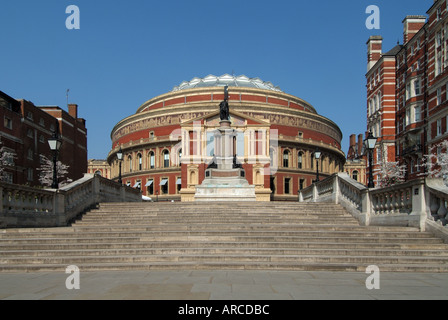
[
  {"x": 149, "y": 183},
  {"x": 179, "y": 181},
  {"x": 137, "y": 185},
  {"x": 164, "y": 182}
]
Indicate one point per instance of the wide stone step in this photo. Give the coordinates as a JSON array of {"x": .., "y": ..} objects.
[
  {"x": 80, "y": 260},
  {"x": 284, "y": 227},
  {"x": 69, "y": 252},
  {"x": 224, "y": 234},
  {"x": 179, "y": 220},
  {"x": 225, "y": 238},
  {"x": 279, "y": 266},
  {"x": 440, "y": 248},
  {"x": 193, "y": 218}
]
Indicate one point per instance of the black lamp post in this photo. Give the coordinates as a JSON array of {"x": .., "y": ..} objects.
[
  {"x": 55, "y": 143},
  {"x": 120, "y": 158},
  {"x": 317, "y": 155},
  {"x": 369, "y": 144}
]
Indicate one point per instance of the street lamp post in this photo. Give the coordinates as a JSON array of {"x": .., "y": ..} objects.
[
  {"x": 55, "y": 143},
  {"x": 369, "y": 144},
  {"x": 317, "y": 155},
  {"x": 120, "y": 158}
]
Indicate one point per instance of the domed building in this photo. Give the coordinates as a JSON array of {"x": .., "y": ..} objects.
[{"x": 169, "y": 142}]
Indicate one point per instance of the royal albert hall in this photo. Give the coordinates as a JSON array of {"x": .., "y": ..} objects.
[{"x": 169, "y": 142}]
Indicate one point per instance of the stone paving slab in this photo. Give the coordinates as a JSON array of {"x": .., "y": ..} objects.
[{"x": 223, "y": 285}]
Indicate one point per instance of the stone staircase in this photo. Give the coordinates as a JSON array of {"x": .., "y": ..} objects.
[{"x": 220, "y": 236}]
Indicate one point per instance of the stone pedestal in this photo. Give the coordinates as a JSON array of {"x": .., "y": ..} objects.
[{"x": 224, "y": 181}]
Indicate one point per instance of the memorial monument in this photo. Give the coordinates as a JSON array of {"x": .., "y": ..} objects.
[{"x": 225, "y": 178}]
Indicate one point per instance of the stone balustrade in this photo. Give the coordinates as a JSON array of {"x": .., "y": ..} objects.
[
  {"x": 437, "y": 193},
  {"x": 23, "y": 206},
  {"x": 421, "y": 203}
]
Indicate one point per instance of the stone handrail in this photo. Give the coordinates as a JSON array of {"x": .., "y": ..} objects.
[
  {"x": 23, "y": 206},
  {"x": 437, "y": 205},
  {"x": 418, "y": 203}
]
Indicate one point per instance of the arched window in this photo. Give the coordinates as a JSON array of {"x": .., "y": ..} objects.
[
  {"x": 166, "y": 159},
  {"x": 98, "y": 173},
  {"x": 130, "y": 163},
  {"x": 286, "y": 159},
  {"x": 300, "y": 160},
  {"x": 355, "y": 175},
  {"x": 152, "y": 159},
  {"x": 140, "y": 161}
]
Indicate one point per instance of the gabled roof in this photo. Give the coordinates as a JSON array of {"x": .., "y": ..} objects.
[{"x": 394, "y": 51}]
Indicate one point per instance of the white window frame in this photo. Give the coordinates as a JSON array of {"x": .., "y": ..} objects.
[
  {"x": 417, "y": 114},
  {"x": 417, "y": 87}
]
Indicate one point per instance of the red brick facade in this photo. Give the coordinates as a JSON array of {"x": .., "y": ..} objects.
[
  {"x": 25, "y": 130},
  {"x": 410, "y": 83}
]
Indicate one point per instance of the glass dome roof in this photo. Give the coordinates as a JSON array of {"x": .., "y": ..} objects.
[{"x": 226, "y": 80}]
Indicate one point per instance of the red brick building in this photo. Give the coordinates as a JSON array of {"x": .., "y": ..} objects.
[
  {"x": 168, "y": 142},
  {"x": 25, "y": 131},
  {"x": 407, "y": 90},
  {"x": 381, "y": 100}
]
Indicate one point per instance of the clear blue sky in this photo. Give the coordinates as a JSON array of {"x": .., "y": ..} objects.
[{"x": 127, "y": 52}]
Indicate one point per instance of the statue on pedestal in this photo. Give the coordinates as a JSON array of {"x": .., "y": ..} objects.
[{"x": 224, "y": 106}]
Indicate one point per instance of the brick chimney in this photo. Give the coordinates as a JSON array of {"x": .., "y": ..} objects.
[
  {"x": 73, "y": 110},
  {"x": 360, "y": 144},
  {"x": 412, "y": 25},
  {"x": 352, "y": 140},
  {"x": 352, "y": 149},
  {"x": 374, "y": 50}
]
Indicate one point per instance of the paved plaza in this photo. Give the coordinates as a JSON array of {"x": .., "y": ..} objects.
[{"x": 223, "y": 285}]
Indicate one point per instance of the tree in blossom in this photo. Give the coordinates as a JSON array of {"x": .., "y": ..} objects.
[
  {"x": 391, "y": 173},
  {"x": 6, "y": 160},
  {"x": 436, "y": 162},
  {"x": 46, "y": 172}
]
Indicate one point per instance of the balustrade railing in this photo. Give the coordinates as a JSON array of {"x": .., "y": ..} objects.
[
  {"x": 351, "y": 191},
  {"x": 392, "y": 200},
  {"x": 23, "y": 206},
  {"x": 18, "y": 199},
  {"x": 418, "y": 203},
  {"x": 438, "y": 201}
]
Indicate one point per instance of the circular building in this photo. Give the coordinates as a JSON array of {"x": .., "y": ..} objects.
[{"x": 168, "y": 143}]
